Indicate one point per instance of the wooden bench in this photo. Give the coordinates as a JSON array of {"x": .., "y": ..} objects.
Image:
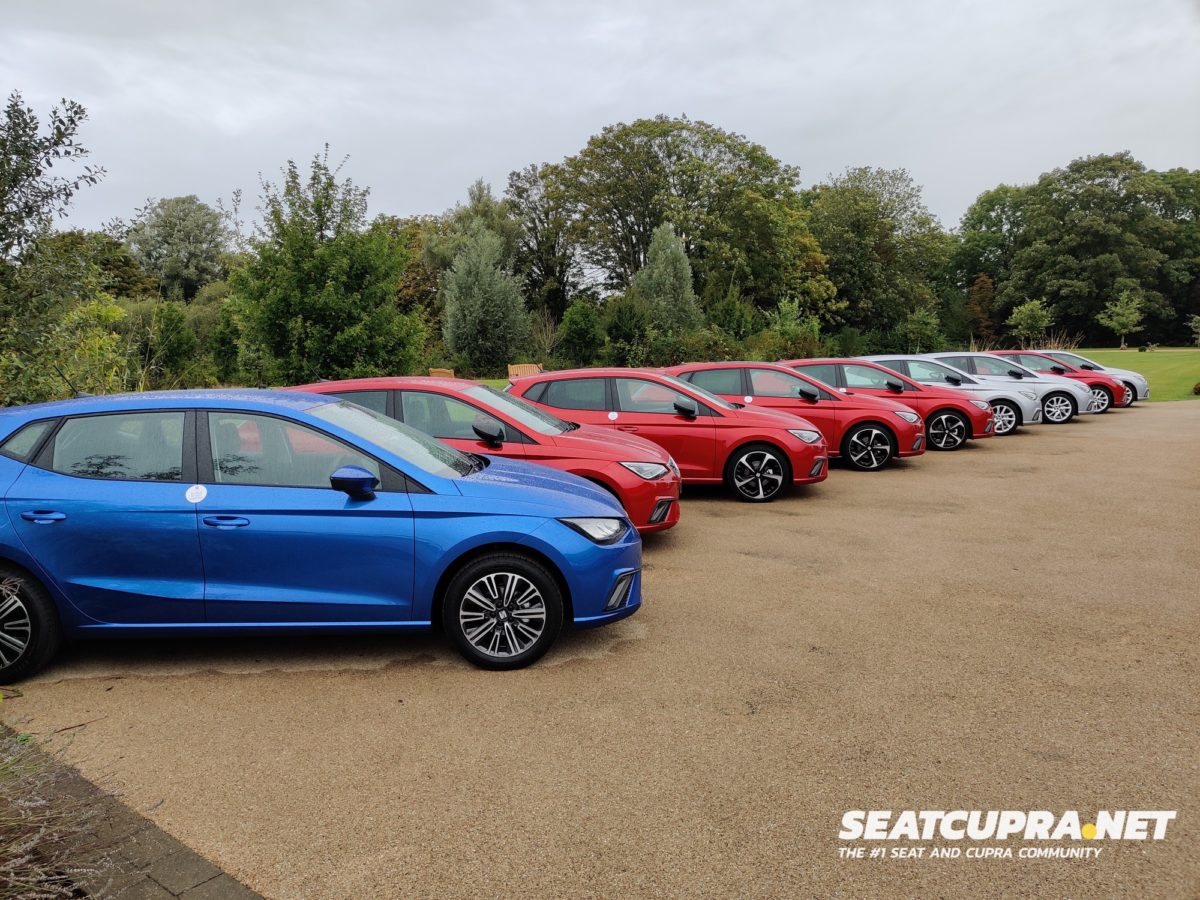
[
  {"x": 441, "y": 373},
  {"x": 520, "y": 370}
]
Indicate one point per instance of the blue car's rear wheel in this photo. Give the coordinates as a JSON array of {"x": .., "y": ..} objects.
[
  {"x": 503, "y": 611},
  {"x": 29, "y": 631}
]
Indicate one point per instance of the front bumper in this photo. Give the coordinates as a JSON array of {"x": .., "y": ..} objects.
[{"x": 810, "y": 462}]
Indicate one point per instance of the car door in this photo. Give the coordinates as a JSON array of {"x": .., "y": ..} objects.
[
  {"x": 777, "y": 390},
  {"x": 279, "y": 544},
  {"x": 874, "y": 383},
  {"x": 453, "y": 421},
  {"x": 104, "y": 510},
  {"x": 647, "y": 408}
]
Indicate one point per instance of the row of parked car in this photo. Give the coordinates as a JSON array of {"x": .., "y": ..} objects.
[{"x": 415, "y": 503}]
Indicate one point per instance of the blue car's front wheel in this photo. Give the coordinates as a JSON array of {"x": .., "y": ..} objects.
[{"x": 503, "y": 611}]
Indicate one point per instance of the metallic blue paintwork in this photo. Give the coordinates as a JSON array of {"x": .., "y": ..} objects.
[{"x": 137, "y": 557}]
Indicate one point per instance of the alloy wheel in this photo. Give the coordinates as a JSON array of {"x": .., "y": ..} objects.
[
  {"x": 15, "y": 624},
  {"x": 758, "y": 475},
  {"x": 869, "y": 448},
  {"x": 946, "y": 431},
  {"x": 1057, "y": 408},
  {"x": 502, "y": 614},
  {"x": 1005, "y": 418},
  {"x": 1100, "y": 400},
  {"x": 1129, "y": 397}
]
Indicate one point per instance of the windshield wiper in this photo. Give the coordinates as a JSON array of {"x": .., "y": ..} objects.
[
  {"x": 571, "y": 426},
  {"x": 478, "y": 463}
]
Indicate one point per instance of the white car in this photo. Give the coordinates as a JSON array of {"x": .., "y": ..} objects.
[
  {"x": 1012, "y": 406},
  {"x": 1062, "y": 398},
  {"x": 1135, "y": 382}
]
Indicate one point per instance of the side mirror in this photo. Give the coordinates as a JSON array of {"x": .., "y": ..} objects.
[
  {"x": 1015, "y": 374},
  {"x": 490, "y": 432},
  {"x": 895, "y": 387},
  {"x": 953, "y": 379},
  {"x": 687, "y": 407},
  {"x": 808, "y": 394},
  {"x": 354, "y": 481},
  {"x": 1058, "y": 370},
  {"x": 1089, "y": 367}
]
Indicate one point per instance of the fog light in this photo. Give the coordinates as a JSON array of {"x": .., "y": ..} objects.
[
  {"x": 618, "y": 596},
  {"x": 818, "y": 466},
  {"x": 661, "y": 508},
  {"x": 918, "y": 443},
  {"x": 1037, "y": 416},
  {"x": 987, "y": 429}
]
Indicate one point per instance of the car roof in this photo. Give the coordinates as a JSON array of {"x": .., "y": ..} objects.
[
  {"x": 214, "y": 398},
  {"x": 608, "y": 372},
  {"x": 386, "y": 383}
]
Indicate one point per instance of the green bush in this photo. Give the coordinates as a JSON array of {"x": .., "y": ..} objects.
[{"x": 581, "y": 333}]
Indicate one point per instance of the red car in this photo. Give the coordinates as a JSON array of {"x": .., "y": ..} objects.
[
  {"x": 951, "y": 417},
  {"x": 755, "y": 452},
  {"x": 478, "y": 419},
  {"x": 867, "y": 432},
  {"x": 1107, "y": 390}
]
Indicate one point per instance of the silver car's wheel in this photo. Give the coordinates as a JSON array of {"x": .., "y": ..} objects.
[
  {"x": 1006, "y": 417},
  {"x": 868, "y": 448},
  {"x": 1102, "y": 400},
  {"x": 1130, "y": 395},
  {"x": 757, "y": 473},
  {"x": 946, "y": 430},
  {"x": 1058, "y": 408},
  {"x": 16, "y": 627},
  {"x": 502, "y": 615}
]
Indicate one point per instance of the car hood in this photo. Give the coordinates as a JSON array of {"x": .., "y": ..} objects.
[
  {"x": 608, "y": 443},
  {"x": 514, "y": 480},
  {"x": 1121, "y": 373},
  {"x": 770, "y": 418}
]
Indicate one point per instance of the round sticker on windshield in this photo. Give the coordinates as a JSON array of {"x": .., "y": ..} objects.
[
  {"x": 196, "y": 493},
  {"x": 612, "y": 417}
]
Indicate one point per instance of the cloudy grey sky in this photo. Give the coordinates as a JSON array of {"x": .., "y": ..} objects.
[{"x": 198, "y": 97}]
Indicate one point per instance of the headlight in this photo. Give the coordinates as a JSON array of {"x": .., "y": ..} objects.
[
  {"x": 806, "y": 435},
  {"x": 602, "y": 531},
  {"x": 649, "y": 471},
  {"x": 1028, "y": 395},
  {"x": 908, "y": 416},
  {"x": 982, "y": 404}
]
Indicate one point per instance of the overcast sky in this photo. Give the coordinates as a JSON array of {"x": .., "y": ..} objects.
[{"x": 199, "y": 97}]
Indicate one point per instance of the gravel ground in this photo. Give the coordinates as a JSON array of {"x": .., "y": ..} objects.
[{"x": 1013, "y": 626}]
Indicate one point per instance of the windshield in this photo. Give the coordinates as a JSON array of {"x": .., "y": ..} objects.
[
  {"x": 412, "y": 446},
  {"x": 708, "y": 398},
  {"x": 521, "y": 410}
]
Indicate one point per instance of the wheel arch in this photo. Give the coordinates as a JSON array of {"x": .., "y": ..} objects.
[
  {"x": 869, "y": 420},
  {"x": 751, "y": 440},
  {"x": 966, "y": 416},
  {"x": 455, "y": 565}
]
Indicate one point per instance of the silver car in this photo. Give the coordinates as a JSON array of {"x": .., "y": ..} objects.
[
  {"x": 1062, "y": 398},
  {"x": 1012, "y": 406},
  {"x": 1136, "y": 385}
]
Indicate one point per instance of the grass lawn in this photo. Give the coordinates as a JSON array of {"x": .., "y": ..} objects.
[{"x": 1172, "y": 371}]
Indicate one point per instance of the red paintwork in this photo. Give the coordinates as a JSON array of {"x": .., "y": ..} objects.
[
  {"x": 922, "y": 398},
  {"x": 834, "y": 415},
  {"x": 591, "y": 453},
  {"x": 1113, "y": 385},
  {"x": 701, "y": 446}
]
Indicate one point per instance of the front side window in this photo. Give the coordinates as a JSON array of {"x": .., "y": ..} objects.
[
  {"x": 537, "y": 420},
  {"x": 135, "y": 446},
  {"x": 445, "y": 418},
  {"x": 960, "y": 362},
  {"x": 923, "y": 370},
  {"x": 1037, "y": 363},
  {"x": 637, "y": 396},
  {"x": 987, "y": 365},
  {"x": 717, "y": 381},
  {"x": 264, "y": 450},
  {"x": 867, "y": 377},
  {"x": 575, "y": 393},
  {"x": 403, "y": 441}
]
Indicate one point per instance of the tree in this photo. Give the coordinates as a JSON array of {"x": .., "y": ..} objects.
[
  {"x": 445, "y": 239},
  {"x": 546, "y": 255},
  {"x": 182, "y": 241},
  {"x": 980, "y": 298},
  {"x": 1122, "y": 316},
  {"x": 318, "y": 298},
  {"x": 1030, "y": 321},
  {"x": 665, "y": 284},
  {"x": 626, "y": 322},
  {"x": 991, "y": 230},
  {"x": 921, "y": 331},
  {"x": 1194, "y": 325},
  {"x": 485, "y": 319},
  {"x": 30, "y": 196},
  {"x": 581, "y": 334},
  {"x": 885, "y": 250}
]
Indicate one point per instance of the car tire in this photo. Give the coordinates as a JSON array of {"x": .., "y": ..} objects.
[
  {"x": 1130, "y": 394},
  {"x": 524, "y": 618},
  {"x": 1058, "y": 408},
  {"x": 1102, "y": 400},
  {"x": 757, "y": 473},
  {"x": 868, "y": 447},
  {"x": 947, "y": 429},
  {"x": 30, "y": 633},
  {"x": 1007, "y": 417}
]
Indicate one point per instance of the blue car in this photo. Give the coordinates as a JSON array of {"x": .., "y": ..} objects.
[{"x": 248, "y": 511}]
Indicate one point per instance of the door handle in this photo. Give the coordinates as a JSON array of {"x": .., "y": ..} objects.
[
  {"x": 226, "y": 522},
  {"x": 43, "y": 516},
  {"x": 627, "y": 428}
]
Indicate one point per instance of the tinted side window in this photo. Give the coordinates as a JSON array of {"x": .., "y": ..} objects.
[
  {"x": 1037, "y": 363},
  {"x": 767, "y": 383},
  {"x": 263, "y": 450},
  {"x": 718, "y": 381},
  {"x": 896, "y": 365},
  {"x": 867, "y": 377},
  {"x": 635, "y": 395},
  {"x": 985, "y": 365},
  {"x": 960, "y": 362},
  {"x": 375, "y": 401},
  {"x": 444, "y": 417},
  {"x": 922, "y": 371},
  {"x": 125, "y": 446},
  {"x": 23, "y": 443},
  {"x": 823, "y": 372},
  {"x": 575, "y": 393}
]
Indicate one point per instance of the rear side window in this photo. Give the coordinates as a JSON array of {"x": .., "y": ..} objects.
[
  {"x": 22, "y": 444},
  {"x": 375, "y": 401},
  {"x": 575, "y": 393},
  {"x": 124, "y": 446},
  {"x": 960, "y": 362},
  {"x": 718, "y": 381}
]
